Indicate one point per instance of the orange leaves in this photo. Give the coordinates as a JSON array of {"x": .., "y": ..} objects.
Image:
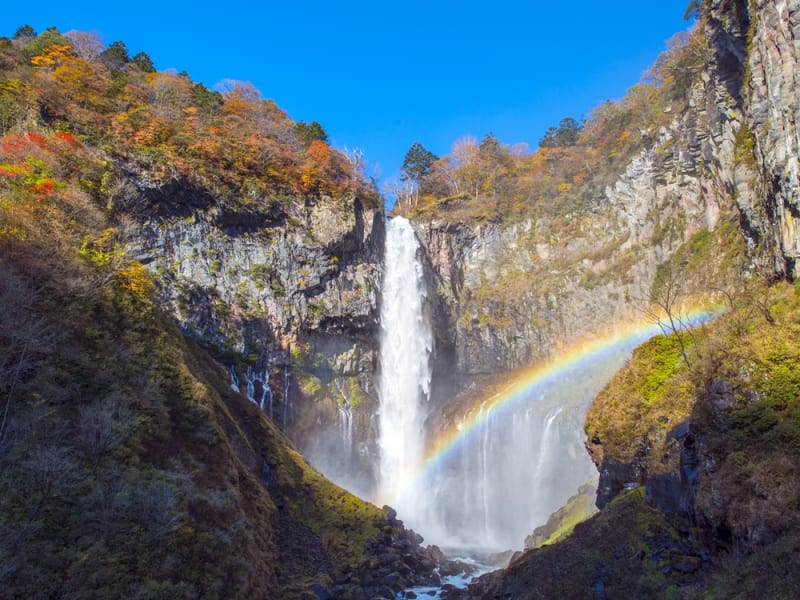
[
  {"x": 67, "y": 139},
  {"x": 227, "y": 139},
  {"x": 316, "y": 167},
  {"x": 318, "y": 154},
  {"x": 240, "y": 99},
  {"x": 18, "y": 145},
  {"x": 31, "y": 158}
]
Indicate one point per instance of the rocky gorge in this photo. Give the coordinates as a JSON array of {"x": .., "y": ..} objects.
[
  {"x": 302, "y": 288},
  {"x": 244, "y": 334}
]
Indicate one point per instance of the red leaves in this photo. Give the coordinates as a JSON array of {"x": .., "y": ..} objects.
[
  {"x": 31, "y": 159},
  {"x": 44, "y": 188},
  {"x": 67, "y": 139},
  {"x": 17, "y": 145}
]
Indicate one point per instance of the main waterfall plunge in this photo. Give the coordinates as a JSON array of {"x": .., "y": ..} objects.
[
  {"x": 501, "y": 470},
  {"x": 513, "y": 467},
  {"x": 406, "y": 345}
]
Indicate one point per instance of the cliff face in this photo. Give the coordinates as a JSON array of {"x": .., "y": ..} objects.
[
  {"x": 752, "y": 82},
  {"x": 287, "y": 298},
  {"x": 771, "y": 110},
  {"x": 510, "y": 294}
]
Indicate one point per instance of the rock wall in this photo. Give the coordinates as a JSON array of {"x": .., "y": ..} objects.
[
  {"x": 772, "y": 111},
  {"x": 290, "y": 295},
  {"x": 751, "y": 87},
  {"x": 507, "y": 295}
]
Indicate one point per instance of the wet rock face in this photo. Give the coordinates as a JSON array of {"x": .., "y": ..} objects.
[{"x": 617, "y": 476}]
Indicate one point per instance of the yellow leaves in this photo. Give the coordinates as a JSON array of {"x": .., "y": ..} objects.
[
  {"x": 624, "y": 137},
  {"x": 136, "y": 279},
  {"x": 10, "y": 87},
  {"x": 102, "y": 251},
  {"x": 52, "y": 56}
]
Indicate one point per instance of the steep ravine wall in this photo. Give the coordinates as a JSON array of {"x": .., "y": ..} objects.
[
  {"x": 509, "y": 294},
  {"x": 709, "y": 523},
  {"x": 771, "y": 84},
  {"x": 292, "y": 297}
]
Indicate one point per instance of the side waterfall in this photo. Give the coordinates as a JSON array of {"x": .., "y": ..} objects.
[
  {"x": 513, "y": 471},
  {"x": 406, "y": 345}
]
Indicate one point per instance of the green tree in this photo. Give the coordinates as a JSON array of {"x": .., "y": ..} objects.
[
  {"x": 566, "y": 134},
  {"x": 143, "y": 61},
  {"x": 49, "y": 37},
  {"x": 417, "y": 163},
  {"x": 204, "y": 99},
  {"x": 26, "y": 31},
  {"x": 309, "y": 132},
  {"x": 115, "y": 56}
]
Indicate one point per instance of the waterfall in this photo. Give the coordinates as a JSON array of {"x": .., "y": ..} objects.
[
  {"x": 234, "y": 379},
  {"x": 252, "y": 377},
  {"x": 406, "y": 344},
  {"x": 513, "y": 469},
  {"x": 346, "y": 428}
]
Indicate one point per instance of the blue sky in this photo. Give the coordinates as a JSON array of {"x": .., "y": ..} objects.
[{"x": 380, "y": 75}]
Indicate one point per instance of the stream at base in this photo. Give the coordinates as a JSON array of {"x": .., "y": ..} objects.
[{"x": 476, "y": 566}]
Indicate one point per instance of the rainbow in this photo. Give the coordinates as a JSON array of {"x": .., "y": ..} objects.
[{"x": 525, "y": 384}]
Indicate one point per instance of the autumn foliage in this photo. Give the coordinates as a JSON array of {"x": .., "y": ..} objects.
[
  {"x": 233, "y": 142},
  {"x": 489, "y": 180}
]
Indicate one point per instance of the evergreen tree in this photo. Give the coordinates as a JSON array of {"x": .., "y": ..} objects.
[
  {"x": 115, "y": 56},
  {"x": 309, "y": 132},
  {"x": 417, "y": 163},
  {"x": 143, "y": 61},
  {"x": 26, "y": 31},
  {"x": 566, "y": 134}
]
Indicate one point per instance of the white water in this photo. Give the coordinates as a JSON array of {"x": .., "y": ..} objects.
[
  {"x": 346, "y": 429},
  {"x": 511, "y": 471},
  {"x": 406, "y": 345}
]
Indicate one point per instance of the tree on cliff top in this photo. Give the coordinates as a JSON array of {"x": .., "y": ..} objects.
[
  {"x": 417, "y": 163},
  {"x": 566, "y": 134},
  {"x": 309, "y": 132}
]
